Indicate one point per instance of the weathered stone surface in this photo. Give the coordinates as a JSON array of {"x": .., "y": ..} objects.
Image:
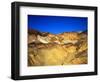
[{"x": 62, "y": 49}]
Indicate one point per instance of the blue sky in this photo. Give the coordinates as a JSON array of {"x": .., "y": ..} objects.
[{"x": 57, "y": 24}]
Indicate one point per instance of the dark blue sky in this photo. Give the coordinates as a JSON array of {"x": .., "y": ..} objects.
[{"x": 57, "y": 24}]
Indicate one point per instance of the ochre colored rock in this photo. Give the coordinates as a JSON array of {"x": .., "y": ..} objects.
[{"x": 46, "y": 49}]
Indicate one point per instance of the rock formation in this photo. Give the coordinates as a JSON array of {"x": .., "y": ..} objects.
[{"x": 67, "y": 48}]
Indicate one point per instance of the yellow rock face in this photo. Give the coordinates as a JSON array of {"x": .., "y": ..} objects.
[
  {"x": 50, "y": 56},
  {"x": 53, "y": 56},
  {"x": 52, "y": 50}
]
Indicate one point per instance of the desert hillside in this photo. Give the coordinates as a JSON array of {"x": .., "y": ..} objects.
[{"x": 56, "y": 49}]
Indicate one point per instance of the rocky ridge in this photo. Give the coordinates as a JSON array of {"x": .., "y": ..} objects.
[{"x": 67, "y": 48}]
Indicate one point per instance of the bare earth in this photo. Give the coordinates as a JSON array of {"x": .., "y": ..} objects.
[{"x": 45, "y": 49}]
